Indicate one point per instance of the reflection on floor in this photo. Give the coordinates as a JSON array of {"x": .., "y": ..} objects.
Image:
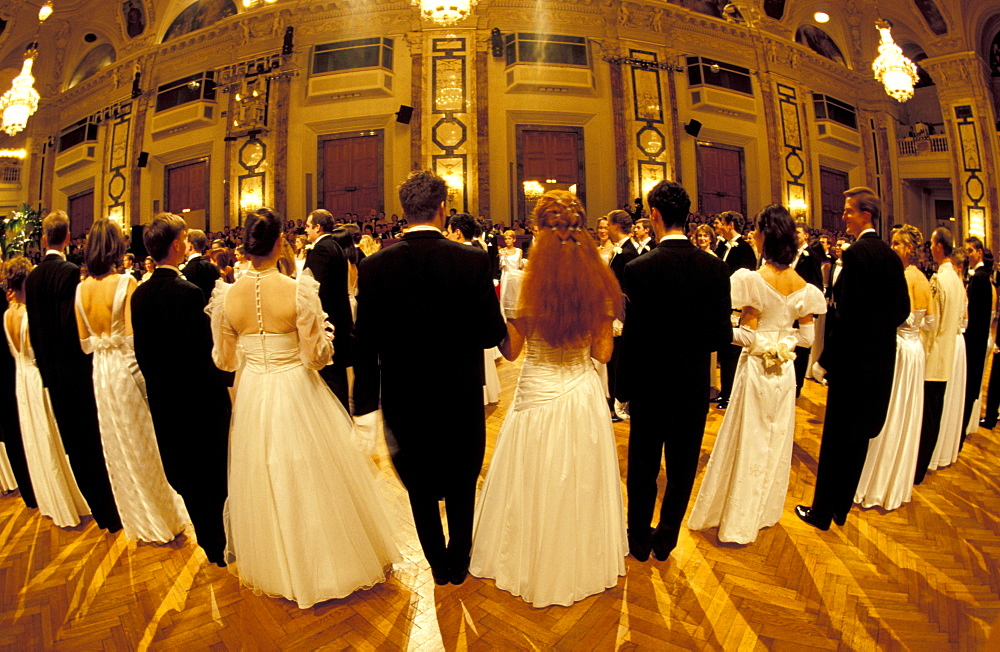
[{"x": 925, "y": 576}]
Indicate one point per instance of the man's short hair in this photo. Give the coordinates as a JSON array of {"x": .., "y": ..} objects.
[
  {"x": 672, "y": 202},
  {"x": 464, "y": 223},
  {"x": 55, "y": 228},
  {"x": 323, "y": 219},
  {"x": 645, "y": 223},
  {"x": 198, "y": 240},
  {"x": 421, "y": 194},
  {"x": 976, "y": 243},
  {"x": 159, "y": 234},
  {"x": 942, "y": 236},
  {"x": 867, "y": 201},
  {"x": 620, "y": 219},
  {"x": 733, "y": 218}
]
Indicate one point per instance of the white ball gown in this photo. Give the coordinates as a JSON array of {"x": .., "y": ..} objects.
[
  {"x": 746, "y": 480},
  {"x": 550, "y": 522},
  {"x": 304, "y": 519},
  {"x": 150, "y": 509},
  {"x": 887, "y": 477},
  {"x": 52, "y": 478}
]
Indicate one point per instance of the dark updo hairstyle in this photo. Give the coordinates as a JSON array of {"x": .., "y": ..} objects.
[
  {"x": 345, "y": 238},
  {"x": 778, "y": 228},
  {"x": 105, "y": 247},
  {"x": 260, "y": 231}
]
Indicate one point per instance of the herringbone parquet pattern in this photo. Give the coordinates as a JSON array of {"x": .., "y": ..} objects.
[{"x": 922, "y": 577}]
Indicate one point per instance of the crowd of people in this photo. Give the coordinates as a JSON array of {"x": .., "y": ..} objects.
[{"x": 293, "y": 346}]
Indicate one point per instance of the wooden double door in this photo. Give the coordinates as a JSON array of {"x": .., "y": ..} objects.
[{"x": 350, "y": 169}]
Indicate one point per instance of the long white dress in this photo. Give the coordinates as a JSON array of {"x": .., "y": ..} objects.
[
  {"x": 53, "y": 481},
  {"x": 887, "y": 478},
  {"x": 150, "y": 509},
  {"x": 304, "y": 518},
  {"x": 746, "y": 480},
  {"x": 950, "y": 436},
  {"x": 550, "y": 522}
]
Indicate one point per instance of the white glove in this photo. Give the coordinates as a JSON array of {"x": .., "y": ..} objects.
[
  {"x": 818, "y": 372},
  {"x": 806, "y": 335},
  {"x": 617, "y": 327},
  {"x": 744, "y": 336}
]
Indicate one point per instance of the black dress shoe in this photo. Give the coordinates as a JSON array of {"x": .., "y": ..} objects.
[
  {"x": 638, "y": 549},
  {"x": 615, "y": 418},
  {"x": 806, "y": 514},
  {"x": 839, "y": 520},
  {"x": 722, "y": 405},
  {"x": 989, "y": 424},
  {"x": 441, "y": 576},
  {"x": 661, "y": 551}
]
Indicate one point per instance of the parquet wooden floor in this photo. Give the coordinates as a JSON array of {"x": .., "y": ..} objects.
[{"x": 924, "y": 576}]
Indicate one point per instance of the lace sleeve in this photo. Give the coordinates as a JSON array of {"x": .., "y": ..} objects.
[
  {"x": 310, "y": 321},
  {"x": 225, "y": 350}
]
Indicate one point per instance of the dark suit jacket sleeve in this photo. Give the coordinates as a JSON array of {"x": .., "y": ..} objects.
[
  {"x": 980, "y": 309},
  {"x": 328, "y": 265},
  {"x": 629, "y": 347},
  {"x": 367, "y": 375},
  {"x": 492, "y": 325}
]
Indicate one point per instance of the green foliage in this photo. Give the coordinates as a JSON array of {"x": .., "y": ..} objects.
[{"x": 23, "y": 227}]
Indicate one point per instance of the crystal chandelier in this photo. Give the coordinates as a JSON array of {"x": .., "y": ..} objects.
[
  {"x": 21, "y": 101},
  {"x": 445, "y": 12},
  {"x": 897, "y": 73}
]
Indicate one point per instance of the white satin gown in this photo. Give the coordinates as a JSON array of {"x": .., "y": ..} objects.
[
  {"x": 746, "y": 480},
  {"x": 304, "y": 519},
  {"x": 150, "y": 509}
]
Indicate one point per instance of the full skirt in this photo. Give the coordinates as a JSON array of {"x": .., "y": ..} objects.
[
  {"x": 550, "y": 522},
  {"x": 304, "y": 519},
  {"x": 950, "y": 435},
  {"x": 746, "y": 479}
]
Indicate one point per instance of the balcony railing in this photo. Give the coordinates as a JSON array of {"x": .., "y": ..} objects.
[{"x": 918, "y": 146}]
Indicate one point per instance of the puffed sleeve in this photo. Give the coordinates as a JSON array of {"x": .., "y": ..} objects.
[
  {"x": 315, "y": 349},
  {"x": 813, "y": 302},
  {"x": 225, "y": 343},
  {"x": 745, "y": 289}
]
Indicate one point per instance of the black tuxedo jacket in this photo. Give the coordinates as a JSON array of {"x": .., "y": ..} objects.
[
  {"x": 679, "y": 297},
  {"x": 809, "y": 267},
  {"x": 51, "y": 299},
  {"x": 619, "y": 261},
  {"x": 870, "y": 301},
  {"x": 426, "y": 310},
  {"x": 741, "y": 257},
  {"x": 977, "y": 333},
  {"x": 328, "y": 264},
  {"x": 203, "y": 273}
]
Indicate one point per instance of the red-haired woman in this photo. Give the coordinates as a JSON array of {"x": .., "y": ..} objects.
[{"x": 550, "y": 525}]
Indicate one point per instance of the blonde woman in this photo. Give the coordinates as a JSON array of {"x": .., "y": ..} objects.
[{"x": 605, "y": 247}]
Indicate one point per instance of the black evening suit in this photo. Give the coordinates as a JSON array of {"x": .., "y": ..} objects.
[
  {"x": 870, "y": 301},
  {"x": 977, "y": 335},
  {"x": 617, "y": 263},
  {"x": 68, "y": 375},
  {"x": 810, "y": 268},
  {"x": 678, "y": 307},
  {"x": 328, "y": 264},
  {"x": 740, "y": 256},
  {"x": 10, "y": 426},
  {"x": 188, "y": 398},
  {"x": 202, "y": 272},
  {"x": 426, "y": 310}
]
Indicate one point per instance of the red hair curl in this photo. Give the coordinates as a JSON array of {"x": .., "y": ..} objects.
[{"x": 569, "y": 293}]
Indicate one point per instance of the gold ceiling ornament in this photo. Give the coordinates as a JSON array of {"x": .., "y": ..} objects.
[
  {"x": 445, "y": 12},
  {"x": 892, "y": 69}
]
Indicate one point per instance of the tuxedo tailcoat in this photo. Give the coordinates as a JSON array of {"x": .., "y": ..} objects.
[
  {"x": 10, "y": 425},
  {"x": 870, "y": 301},
  {"x": 328, "y": 264},
  {"x": 977, "y": 333},
  {"x": 426, "y": 310},
  {"x": 810, "y": 268},
  {"x": 188, "y": 398},
  {"x": 678, "y": 305},
  {"x": 617, "y": 263},
  {"x": 68, "y": 375},
  {"x": 740, "y": 256},
  {"x": 202, "y": 272}
]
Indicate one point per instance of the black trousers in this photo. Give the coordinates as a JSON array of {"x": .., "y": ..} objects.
[
  {"x": 975, "y": 360},
  {"x": 459, "y": 503},
  {"x": 993, "y": 393},
  {"x": 613, "y": 371},
  {"x": 801, "y": 364},
  {"x": 931, "y": 426},
  {"x": 671, "y": 435},
  {"x": 75, "y": 410},
  {"x": 728, "y": 356},
  {"x": 842, "y": 453},
  {"x": 335, "y": 376}
]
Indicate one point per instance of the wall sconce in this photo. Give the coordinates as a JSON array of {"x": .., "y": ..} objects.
[
  {"x": 977, "y": 221},
  {"x": 798, "y": 208}
]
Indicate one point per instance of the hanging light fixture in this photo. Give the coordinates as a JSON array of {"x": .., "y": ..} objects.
[
  {"x": 21, "y": 101},
  {"x": 895, "y": 72},
  {"x": 445, "y": 12}
]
